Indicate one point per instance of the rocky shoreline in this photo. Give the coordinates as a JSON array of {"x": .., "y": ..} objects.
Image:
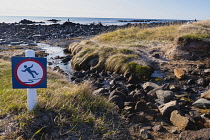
[
  {"x": 175, "y": 106},
  {"x": 28, "y": 34}
]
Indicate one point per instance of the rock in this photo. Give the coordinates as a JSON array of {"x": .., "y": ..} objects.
[
  {"x": 66, "y": 50},
  {"x": 106, "y": 83},
  {"x": 158, "y": 128},
  {"x": 137, "y": 118},
  {"x": 174, "y": 87},
  {"x": 195, "y": 115},
  {"x": 140, "y": 106},
  {"x": 100, "y": 91},
  {"x": 132, "y": 104},
  {"x": 156, "y": 55},
  {"x": 124, "y": 90},
  {"x": 179, "y": 121},
  {"x": 131, "y": 87},
  {"x": 139, "y": 94},
  {"x": 200, "y": 66},
  {"x": 165, "y": 95},
  {"x": 202, "y": 82},
  {"x": 50, "y": 63},
  {"x": 202, "y": 103},
  {"x": 207, "y": 71},
  {"x": 152, "y": 94},
  {"x": 79, "y": 74},
  {"x": 167, "y": 108},
  {"x": 133, "y": 79},
  {"x": 130, "y": 99},
  {"x": 206, "y": 94},
  {"x": 159, "y": 102},
  {"x": 128, "y": 109},
  {"x": 67, "y": 59},
  {"x": 149, "y": 86},
  {"x": 144, "y": 134},
  {"x": 202, "y": 134},
  {"x": 179, "y": 73},
  {"x": 115, "y": 92},
  {"x": 190, "y": 81},
  {"x": 57, "y": 57},
  {"x": 174, "y": 130},
  {"x": 78, "y": 80},
  {"x": 117, "y": 100}
]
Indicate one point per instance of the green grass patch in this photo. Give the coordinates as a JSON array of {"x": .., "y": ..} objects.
[
  {"x": 61, "y": 108},
  {"x": 193, "y": 37},
  {"x": 142, "y": 72}
]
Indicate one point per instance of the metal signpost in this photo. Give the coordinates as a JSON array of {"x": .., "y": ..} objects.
[{"x": 31, "y": 73}]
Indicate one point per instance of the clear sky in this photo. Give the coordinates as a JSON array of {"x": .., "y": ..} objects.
[{"x": 149, "y": 9}]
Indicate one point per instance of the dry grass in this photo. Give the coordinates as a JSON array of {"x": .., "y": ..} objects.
[
  {"x": 164, "y": 34},
  {"x": 114, "y": 59},
  {"x": 201, "y": 29},
  {"x": 134, "y": 34}
]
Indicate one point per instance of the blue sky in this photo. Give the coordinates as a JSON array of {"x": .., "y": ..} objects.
[{"x": 149, "y": 9}]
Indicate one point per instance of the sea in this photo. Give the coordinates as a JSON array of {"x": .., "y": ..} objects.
[{"x": 82, "y": 20}]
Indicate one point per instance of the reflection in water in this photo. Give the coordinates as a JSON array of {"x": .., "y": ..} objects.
[{"x": 54, "y": 52}]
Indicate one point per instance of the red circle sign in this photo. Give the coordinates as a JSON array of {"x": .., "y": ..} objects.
[{"x": 29, "y": 72}]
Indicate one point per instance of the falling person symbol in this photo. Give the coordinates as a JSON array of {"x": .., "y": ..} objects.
[{"x": 28, "y": 69}]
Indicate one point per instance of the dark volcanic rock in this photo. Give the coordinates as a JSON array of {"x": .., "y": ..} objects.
[
  {"x": 144, "y": 134},
  {"x": 118, "y": 93},
  {"x": 165, "y": 95},
  {"x": 149, "y": 86},
  {"x": 140, "y": 106},
  {"x": 133, "y": 79},
  {"x": 167, "y": 108},
  {"x": 203, "y": 134},
  {"x": 117, "y": 100},
  {"x": 202, "y": 103}
]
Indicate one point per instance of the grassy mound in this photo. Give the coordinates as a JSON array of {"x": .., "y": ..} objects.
[
  {"x": 176, "y": 41},
  {"x": 88, "y": 55},
  {"x": 169, "y": 34},
  {"x": 64, "y": 111}
]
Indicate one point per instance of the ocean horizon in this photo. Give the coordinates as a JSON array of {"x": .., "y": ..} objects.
[{"x": 82, "y": 20}]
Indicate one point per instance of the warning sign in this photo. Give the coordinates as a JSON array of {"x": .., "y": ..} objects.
[{"x": 29, "y": 72}]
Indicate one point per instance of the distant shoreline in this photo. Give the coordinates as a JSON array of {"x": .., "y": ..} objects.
[
  {"x": 30, "y": 32},
  {"x": 84, "y": 20}
]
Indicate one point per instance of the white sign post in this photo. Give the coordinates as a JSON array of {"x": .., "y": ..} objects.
[
  {"x": 29, "y": 72},
  {"x": 31, "y": 92}
]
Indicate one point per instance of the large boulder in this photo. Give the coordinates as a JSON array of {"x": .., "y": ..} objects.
[
  {"x": 149, "y": 86},
  {"x": 202, "y": 103},
  {"x": 117, "y": 100},
  {"x": 118, "y": 93},
  {"x": 182, "y": 122},
  {"x": 165, "y": 95}
]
